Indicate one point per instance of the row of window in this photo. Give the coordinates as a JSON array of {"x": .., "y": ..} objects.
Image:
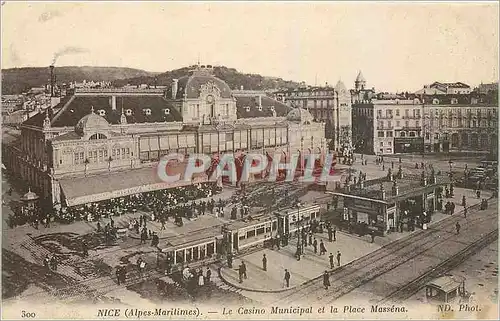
[
  {"x": 382, "y": 134},
  {"x": 467, "y": 123},
  {"x": 408, "y": 113},
  {"x": 407, "y": 123},
  {"x": 491, "y": 113},
  {"x": 129, "y": 112},
  {"x": 195, "y": 111},
  {"x": 458, "y": 113},
  {"x": 101, "y": 155},
  {"x": 311, "y": 93}
]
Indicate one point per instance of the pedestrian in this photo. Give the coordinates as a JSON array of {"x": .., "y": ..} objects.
[
  {"x": 457, "y": 227},
  {"x": 264, "y": 262},
  {"x": 330, "y": 234},
  {"x": 118, "y": 274},
  {"x": 46, "y": 262},
  {"x": 326, "y": 280},
  {"x": 209, "y": 275},
  {"x": 85, "y": 249},
  {"x": 338, "y": 258},
  {"x": 47, "y": 221},
  {"x": 315, "y": 245},
  {"x": 372, "y": 234},
  {"x": 287, "y": 278},
  {"x": 334, "y": 233},
  {"x": 142, "y": 266},
  {"x": 240, "y": 273},
  {"x": 201, "y": 279},
  {"x": 310, "y": 238},
  {"x": 478, "y": 194},
  {"x": 465, "y": 212},
  {"x": 463, "y": 201},
  {"x": 244, "y": 267},
  {"x": 99, "y": 227},
  {"x": 331, "y": 261},
  {"x": 53, "y": 263},
  {"x": 322, "y": 248}
]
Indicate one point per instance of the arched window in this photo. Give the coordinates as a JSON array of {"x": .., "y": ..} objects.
[
  {"x": 402, "y": 134},
  {"x": 98, "y": 136}
]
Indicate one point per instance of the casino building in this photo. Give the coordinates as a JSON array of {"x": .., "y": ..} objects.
[{"x": 98, "y": 144}]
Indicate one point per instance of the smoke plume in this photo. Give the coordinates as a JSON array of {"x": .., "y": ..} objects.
[{"x": 68, "y": 51}]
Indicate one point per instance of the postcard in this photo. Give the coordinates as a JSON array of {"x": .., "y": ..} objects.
[{"x": 249, "y": 160}]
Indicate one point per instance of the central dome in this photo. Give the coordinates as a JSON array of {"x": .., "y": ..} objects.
[
  {"x": 91, "y": 121},
  {"x": 192, "y": 85},
  {"x": 300, "y": 115}
]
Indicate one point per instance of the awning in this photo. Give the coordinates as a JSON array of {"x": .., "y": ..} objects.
[{"x": 101, "y": 187}]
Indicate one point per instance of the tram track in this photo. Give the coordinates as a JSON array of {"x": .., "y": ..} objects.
[
  {"x": 102, "y": 285},
  {"x": 407, "y": 290},
  {"x": 387, "y": 258}
]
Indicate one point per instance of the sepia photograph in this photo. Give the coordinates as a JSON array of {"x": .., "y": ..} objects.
[{"x": 217, "y": 160}]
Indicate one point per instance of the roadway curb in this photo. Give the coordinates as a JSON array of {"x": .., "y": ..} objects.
[
  {"x": 331, "y": 272},
  {"x": 250, "y": 289}
]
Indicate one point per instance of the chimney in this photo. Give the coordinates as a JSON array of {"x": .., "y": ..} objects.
[
  {"x": 51, "y": 80},
  {"x": 174, "y": 88}
]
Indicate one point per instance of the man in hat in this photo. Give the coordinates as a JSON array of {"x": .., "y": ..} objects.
[{"x": 326, "y": 280}]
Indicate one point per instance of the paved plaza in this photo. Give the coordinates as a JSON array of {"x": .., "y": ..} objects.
[
  {"x": 28, "y": 246},
  {"x": 310, "y": 265}
]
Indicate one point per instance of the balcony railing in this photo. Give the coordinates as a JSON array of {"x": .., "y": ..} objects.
[
  {"x": 412, "y": 128},
  {"x": 385, "y": 117},
  {"x": 412, "y": 117}
]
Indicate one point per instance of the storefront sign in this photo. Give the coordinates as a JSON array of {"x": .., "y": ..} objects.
[{"x": 130, "y": 191}]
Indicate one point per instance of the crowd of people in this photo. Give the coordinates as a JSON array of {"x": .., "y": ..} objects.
[{"x": 162, "y": 201}]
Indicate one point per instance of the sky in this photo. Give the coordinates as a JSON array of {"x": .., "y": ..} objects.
[{"x": 397, "y": 46}]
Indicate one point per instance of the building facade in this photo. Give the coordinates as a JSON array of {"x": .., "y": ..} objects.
[
  {"x": 429, "y": 121},
  {"x": 388, "y": 126},
  {"x": 331, "y": 105},
  {"x": 115, "y": 137},
  {"x": 467, "y": 123}
]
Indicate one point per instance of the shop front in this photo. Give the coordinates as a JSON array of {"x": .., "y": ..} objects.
[
  {"x": 389, "y": 206},
  {"x": 408, "y": 144}
]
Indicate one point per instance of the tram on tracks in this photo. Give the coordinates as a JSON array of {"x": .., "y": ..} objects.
[{"x": 237, "y": 236}]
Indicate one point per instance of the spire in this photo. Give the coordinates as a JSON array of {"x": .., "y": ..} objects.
[{"x": 360, "y": 77}]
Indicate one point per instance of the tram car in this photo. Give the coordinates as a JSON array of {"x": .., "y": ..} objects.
[{"x": 236, "y": 237}]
